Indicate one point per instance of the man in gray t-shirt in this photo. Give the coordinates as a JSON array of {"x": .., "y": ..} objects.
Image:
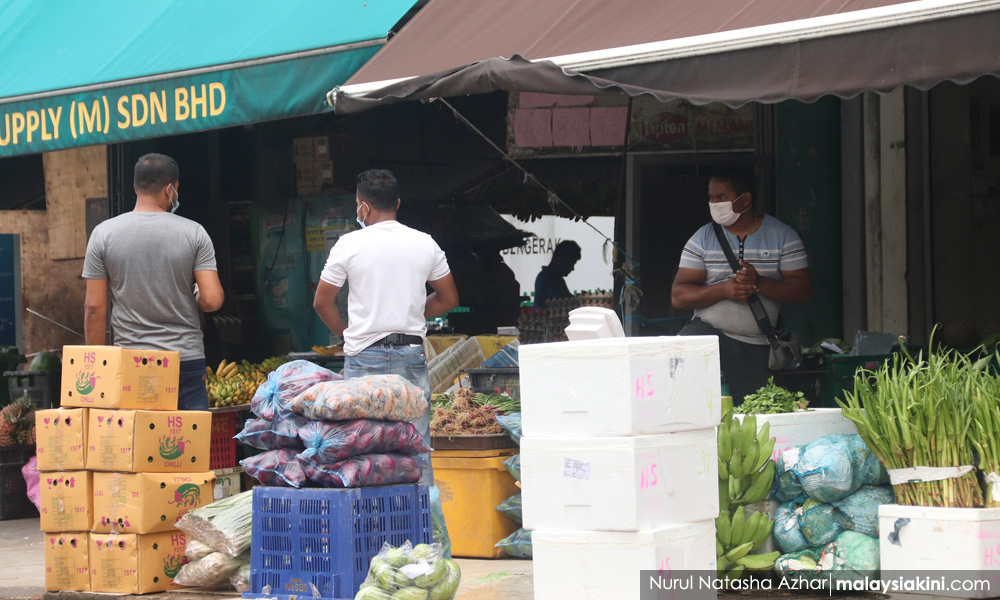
[{"x": 158, "y": 270}]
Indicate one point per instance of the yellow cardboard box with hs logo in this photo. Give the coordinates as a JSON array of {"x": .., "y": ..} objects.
[
  {"x": 113, "y": 377},
  {"x": 135, "y": 564},
  {"x": 67, "y": 562},
  {"x": 147, "y": 502},
  {"x": 66, "y": 501},
  {"x": 61, "y": 439},
  {"x": 149, "y": 441}
]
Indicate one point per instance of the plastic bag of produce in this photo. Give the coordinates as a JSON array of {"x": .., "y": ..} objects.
[
  {"x": 821, "y": 523},
  {"x": 786, "y": 482},
  {"x": 279, "y": 468},
  {"x": 439, "y": 529},
  {"x": 381, "y": 397},
  {"x": 286, "y": 382},
  {"x": 513, "y": 465},
  {"x": 517, "y": 544},
  {"x": 786, "y": 533},
  {"x": 512, "y": 423},
  {"x": 861, "y": 508},
  {"x": 511, "y": 507},
  {"x": 364, "y": 470},
  {"x": 210, "y": 571},
  {"x": 830, "y": 468},
  {"x": 327, "y": 442},
  {"x": 196, "y": 549},
  {"x": 410, "y": 573},
  {"x": 282, "y": 432},
  {"x": 851, "y": 556},
  {"x": 224, "y": 525},
  {"x": 240, "y": 580}
]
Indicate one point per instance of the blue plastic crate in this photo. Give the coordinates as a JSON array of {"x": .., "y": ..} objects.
[{"x": 327, "y": 537}]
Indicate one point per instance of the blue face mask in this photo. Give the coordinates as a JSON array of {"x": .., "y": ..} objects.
[
  {"x": 175, "y": 202},
  {"x": 361, "y": 221}
]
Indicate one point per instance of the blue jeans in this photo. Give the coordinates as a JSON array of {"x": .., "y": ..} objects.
[
  {"x": 192, "y": 393},
  {"x": 411, "y": 363}
]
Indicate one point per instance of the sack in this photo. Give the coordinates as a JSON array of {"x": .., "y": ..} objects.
[{"x": 786, "y": 351}]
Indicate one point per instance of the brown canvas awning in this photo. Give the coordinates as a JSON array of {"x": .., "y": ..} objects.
[{"x": 766, "y": 50}]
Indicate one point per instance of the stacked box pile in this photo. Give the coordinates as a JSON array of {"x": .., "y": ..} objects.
[
  {"x": 619, "y": 471},
  {"x": 118, "y": 465},
  {"x": 313, "y": 167}
]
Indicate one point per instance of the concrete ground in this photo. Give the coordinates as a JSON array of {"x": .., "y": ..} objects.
[{"x": 22, "y": 573}]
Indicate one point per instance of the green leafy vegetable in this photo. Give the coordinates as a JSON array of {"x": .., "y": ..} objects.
[{"x": 772, "y": 399}]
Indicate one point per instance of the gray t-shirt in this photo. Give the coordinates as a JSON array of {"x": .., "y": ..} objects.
[{"x": 149, "y": 260}]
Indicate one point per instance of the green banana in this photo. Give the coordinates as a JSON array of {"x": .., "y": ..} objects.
[
  {"x": 761, "y": 486},
  {"x": 723, "y": 564},
  {"x": 736, "y": 464},
  {"x": 723, "y": 470},
  {"x": 764, "y": 454},
  {"x": 725, "y": 443},
  {"x": 758, "y": 561},
  {"x": 738, "y": 552},
  {"x": 736, "y": 572},
  {"x": 735, "y": 434},
  {"x": 719, "y": 550},
  {"x": 750, "y": 459},
  {"x": 723, "y": 528},
  {"x": 737, "y": 522},
  {"x": 723, "y": 496},
  {"x": 749, "y": 529},
  {"x": 764, "y": 528},
  {"x": 749, "y": 432}
]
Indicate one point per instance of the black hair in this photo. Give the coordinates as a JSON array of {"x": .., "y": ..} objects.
[
  {"x": 738, "y": 181},
  {"x": 566, "y": 249},
  {"x": 380, "y": 188},
  {"x": 154, "y": 171}
]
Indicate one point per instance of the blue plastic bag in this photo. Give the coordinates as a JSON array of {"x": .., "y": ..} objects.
[
  {"x": 513, "y": 465},
  {"x": 512, "y": 423},
  {"x": 284, "y": 383},
  {"x": 517, "y": 544},
  {"x": 828, "y": 469},
  {"x": 511, "y": 507}
]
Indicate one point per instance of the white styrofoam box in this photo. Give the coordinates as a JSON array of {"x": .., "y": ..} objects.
[
  {"x": 619, "y": 484},
  {"x": 606, "y": 565},
  {"x": 620, "y": 386},
  {"x": 937, "y": 540},
  {"x": 802, "y": 427}
]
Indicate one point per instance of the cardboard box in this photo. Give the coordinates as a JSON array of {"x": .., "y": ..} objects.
[
  {"x": 135, "y": 564},
  {"x": 321, "y": 147},
  {"x": 147, "y": 502},
  {"x": 303, "y": 150},
  {"x": 305, "y": 178},
  {"x": 67, "y": 501},
  {"x": 61, "y": 439},
  {"x": 228, "y": 482},
  {"x": 147, "y": 441},
  {"x": 113, "y": 377},
  {"x": 323, "y": 175},
  {"x": 67, "y": 563}
]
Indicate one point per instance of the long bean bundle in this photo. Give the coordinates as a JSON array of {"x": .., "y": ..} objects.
[
  {"x": 986, "y": 406},
  {"x": 919, "y": 412}
]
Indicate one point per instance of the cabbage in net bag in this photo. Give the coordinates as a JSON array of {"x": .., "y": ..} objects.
[
  {"x": 364, "y": 470},
  {"x": 275, "y": 467},
  {"x": 283, "y": 432},
  {"x": 417, "y": 572},
  {"x": 327, "y": 442},
  {"x": 381, "y": 397},
  {"x": 284, "y": 383}
]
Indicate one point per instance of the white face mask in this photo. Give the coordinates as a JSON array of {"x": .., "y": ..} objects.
[
  {"x": 723, "y": 213},
  {"x": 359, "y": 219},
  {"x": 175, "y": 202}
]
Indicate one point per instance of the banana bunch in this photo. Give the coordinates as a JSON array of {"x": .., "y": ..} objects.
[
  {"x": 745, "y": 464},
  {"x": 737, "y": 536},
  {"x": 327, "y": 350},
  {"x": 234, "y": 383},
  {"x": 746, "y": 475}
]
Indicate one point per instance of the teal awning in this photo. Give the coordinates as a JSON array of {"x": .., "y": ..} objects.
[{"x": 81, "y": 73}]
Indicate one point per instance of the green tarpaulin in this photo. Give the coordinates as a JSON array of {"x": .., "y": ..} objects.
[{"x": 82, "y": 73}]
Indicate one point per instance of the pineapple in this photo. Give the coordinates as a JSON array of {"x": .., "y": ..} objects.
[{"x": 11, "y": 418}]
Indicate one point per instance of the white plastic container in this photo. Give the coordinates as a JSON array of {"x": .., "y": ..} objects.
[
  {"x": 619, "y": 484},
  {"x": 607, "y": 565},
  {"x": 965, "y": 541},
  {"x": 800, "y": 428},
  {"x": 620, "y": 386}
]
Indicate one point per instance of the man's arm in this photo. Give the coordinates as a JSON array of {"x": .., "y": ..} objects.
[
  {"x": 443, "y": 299},
  {"x": 326, "y": 308},
  {"x": 689, "y": 290},
  {"x": 209, "y": 290},
  {"x": 796, "y": 286},
  {"x": 95, "y": 312}
]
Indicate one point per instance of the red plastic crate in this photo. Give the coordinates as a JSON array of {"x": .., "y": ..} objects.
[{"x": 223, "y": 453}]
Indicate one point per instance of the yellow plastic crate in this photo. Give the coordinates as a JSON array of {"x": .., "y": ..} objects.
[{"x": 472, "y": 484}]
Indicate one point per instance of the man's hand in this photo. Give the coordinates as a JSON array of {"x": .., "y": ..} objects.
[
  {"x": 746, "y": 275},
  {"x": 738, "y": 291}
]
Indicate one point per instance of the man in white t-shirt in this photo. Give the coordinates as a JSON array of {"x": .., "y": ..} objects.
[{"x": 388, "y": 266}]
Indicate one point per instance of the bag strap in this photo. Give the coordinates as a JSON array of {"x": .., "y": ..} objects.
[{"x": 754, "y": 302}]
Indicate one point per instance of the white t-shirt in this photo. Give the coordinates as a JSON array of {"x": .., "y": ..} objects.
[{"x": 387, "y": 266}]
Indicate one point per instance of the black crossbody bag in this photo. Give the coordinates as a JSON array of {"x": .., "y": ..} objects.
[{"x": 786, "y": 350}]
